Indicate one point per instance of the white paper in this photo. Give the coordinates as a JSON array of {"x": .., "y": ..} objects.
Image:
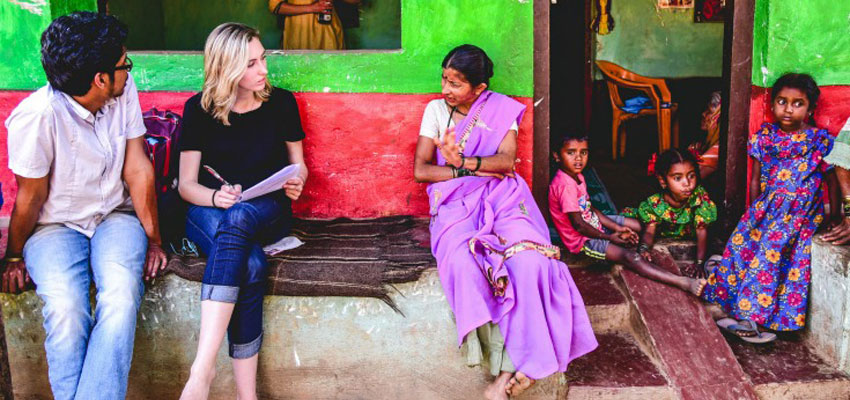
[
  {"x": 272, "y": 183},
  {"x": 287, "y": 243}
]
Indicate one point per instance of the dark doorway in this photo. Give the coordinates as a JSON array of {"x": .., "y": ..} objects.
[
  {"x": 644, "y": 40},
  {"x": 571, "y": 79}
]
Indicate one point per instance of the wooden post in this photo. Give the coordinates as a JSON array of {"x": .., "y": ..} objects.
[
  {"x": 735, "y": 115},
  {"x": 541, "y": 100}
]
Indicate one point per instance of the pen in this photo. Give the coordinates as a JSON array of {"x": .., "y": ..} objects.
[{"x": 216, "y": 175}]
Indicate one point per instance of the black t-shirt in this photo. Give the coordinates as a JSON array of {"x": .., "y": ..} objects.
[{"x": 251, "y": 149}]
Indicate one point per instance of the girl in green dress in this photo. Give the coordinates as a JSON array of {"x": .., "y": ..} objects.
[{"x": 682, "y": 210}]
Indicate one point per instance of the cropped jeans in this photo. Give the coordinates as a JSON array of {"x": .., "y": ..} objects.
[
  {"x": 236, "y": 269},
  {"x": 89, "y": 357}
]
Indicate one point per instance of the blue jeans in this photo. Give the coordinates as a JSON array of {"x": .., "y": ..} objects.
[
  {"x": 89, "y": 358},
  {"x": 236, "y": 265}
]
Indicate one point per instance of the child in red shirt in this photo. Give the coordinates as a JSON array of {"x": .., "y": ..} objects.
[{"x": 584, "y": 229}]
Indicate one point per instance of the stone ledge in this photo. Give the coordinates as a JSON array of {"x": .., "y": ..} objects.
[
  {"x": 829, "y": 303},
  {"x": 314, "y": 347}
]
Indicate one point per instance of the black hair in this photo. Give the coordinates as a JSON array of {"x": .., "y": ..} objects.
[
  {"x": 573, "y": 136},
  {"x": 669, "y": 158},
  {"x": 472, "y": 62},
  {"x": 802, "y": 82},
  {"x": 77, "y": 46}
]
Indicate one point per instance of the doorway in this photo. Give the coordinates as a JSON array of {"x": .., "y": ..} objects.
[{"x": 651, "y": 40}]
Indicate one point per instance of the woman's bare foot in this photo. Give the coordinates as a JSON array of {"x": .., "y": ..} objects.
[
  {"x": 497, "y": 389},
  {"x": 518, "y": 384},
  {"x": 198, "y": 386}
]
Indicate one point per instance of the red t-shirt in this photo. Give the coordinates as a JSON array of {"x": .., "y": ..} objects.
[{"x": 566, "y": 196}]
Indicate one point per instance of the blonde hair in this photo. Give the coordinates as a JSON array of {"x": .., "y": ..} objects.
[{"x": 225, "y": 61}]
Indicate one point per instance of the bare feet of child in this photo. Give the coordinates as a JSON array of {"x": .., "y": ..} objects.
[
  {"x": 197, "y": 387},
  {"x": 696, "y": 286},
  {"x": 518, "y": 384},
  {"x": 497, "y": 390}
]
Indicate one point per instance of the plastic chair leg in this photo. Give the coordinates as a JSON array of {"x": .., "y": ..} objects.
[
  {"x": 663, "y": 129},
  {"x": 615, "y": 134},
  {"x": 676, "y": 130},
  {"x": 623, "y": 137}
]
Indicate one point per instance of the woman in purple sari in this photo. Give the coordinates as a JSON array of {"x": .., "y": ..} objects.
[{"x": 514, "y": 301}]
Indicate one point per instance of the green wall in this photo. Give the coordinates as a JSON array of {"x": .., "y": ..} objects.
[
  {"x": 21, "y": 26},
  {"x": 430, "y": 28},
  {"x": 664, "y": 43},
  {"x": 20, "y": 35},
  {"x": 811, "y": 36}
]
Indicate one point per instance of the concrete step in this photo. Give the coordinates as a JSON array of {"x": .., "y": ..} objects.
[
  {"x": 789, "y": 369},
  {"x": 606, "y": 305},
  {"x": 682, "y": 338},
  {"x": 617, "y": 370}
]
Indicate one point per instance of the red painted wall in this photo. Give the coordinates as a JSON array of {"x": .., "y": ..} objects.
[
  {"x": 832, "y": 112},
  {"x": 8, "y": 101},
  {"x": 359, "y": 149}
]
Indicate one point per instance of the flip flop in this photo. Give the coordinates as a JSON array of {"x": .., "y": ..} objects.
[{"x": 748, "y": 327}]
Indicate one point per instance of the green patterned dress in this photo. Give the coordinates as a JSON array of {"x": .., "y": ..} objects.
[{"x": 679, "y": 223}]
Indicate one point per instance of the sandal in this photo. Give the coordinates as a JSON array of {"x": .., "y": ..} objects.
[{"x": 746, "y": 330}]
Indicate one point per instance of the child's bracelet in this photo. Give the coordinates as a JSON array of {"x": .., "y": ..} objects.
[
  {"x": 700, "y": 262},
  {"x": 643, "y": 248}
]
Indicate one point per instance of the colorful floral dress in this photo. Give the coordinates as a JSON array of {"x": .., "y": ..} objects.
[
  {"x": 765, "y": 272},
  {"x": 680, "y": 223}
]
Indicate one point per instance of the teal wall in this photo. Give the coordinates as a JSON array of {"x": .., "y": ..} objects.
[
  {"x": 185, "y": 24},
  {"x": 811, "y": 36},
  {"x": 430, "y": 28},
  {"x": 661, "y": 42}
]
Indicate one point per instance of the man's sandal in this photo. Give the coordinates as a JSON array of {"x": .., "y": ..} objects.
[{"x": 746, "y": 330}]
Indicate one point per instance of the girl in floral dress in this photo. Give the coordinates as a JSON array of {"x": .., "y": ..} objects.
[
  {"x": 764, "y": 275},
  {"x": 682, "y": 210}
]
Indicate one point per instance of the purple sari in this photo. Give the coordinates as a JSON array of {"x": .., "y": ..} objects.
[{"x": 485, "y": 229}]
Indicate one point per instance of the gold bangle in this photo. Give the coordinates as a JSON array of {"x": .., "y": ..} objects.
[{"x": 13, "y": 259}]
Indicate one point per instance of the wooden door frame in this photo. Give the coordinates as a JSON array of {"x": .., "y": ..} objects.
[
  {"x": 541, "y": 103},
  {"x": 735, "y": 114}
]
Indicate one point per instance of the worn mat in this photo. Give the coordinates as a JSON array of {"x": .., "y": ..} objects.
[{"x": 341, "y": 257}]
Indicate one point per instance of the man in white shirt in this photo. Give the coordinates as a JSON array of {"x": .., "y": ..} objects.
[{"x": 86, "y": 206}]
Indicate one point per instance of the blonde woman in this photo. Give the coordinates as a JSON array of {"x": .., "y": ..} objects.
[{"x": 246, "y": 130}]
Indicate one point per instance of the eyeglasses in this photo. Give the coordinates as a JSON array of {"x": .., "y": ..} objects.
[{"x": 128, "y": 65}]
